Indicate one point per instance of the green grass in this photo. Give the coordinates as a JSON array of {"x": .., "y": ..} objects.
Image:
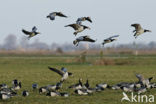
[{"x": 31, "y": 70}]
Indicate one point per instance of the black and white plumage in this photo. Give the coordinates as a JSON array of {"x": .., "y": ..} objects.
[
  {"x": 62, "y": 73},
  {"x": 83, "y": 38},
  {"x": 81, "y": 91},
  {"x": 3, "y": 86},
  {"x": 139, "y": 30},
  {"x": 31, "y": 33},
  {"x": 143, "y": 81},
  {"x": 52, "y": 15},
  {"x": 80, "y": 20},
  {"x": 57, "y": 86},
  {"x": 54, "y": 93},
  {"x": 110, "y": 39},
  {"x": 5, "y": 96},
  {"x": 25, "y": 93},
  {"x": 43, "y": 89},
  {"x": 78, "y": 85},
  {"x": 16, "y": 85},
  {"x": 78, "y": 28}
]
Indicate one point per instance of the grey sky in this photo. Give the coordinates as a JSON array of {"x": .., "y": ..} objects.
[{"x": 110, "y": 17}]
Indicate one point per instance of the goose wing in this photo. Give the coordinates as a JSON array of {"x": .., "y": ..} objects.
[
  {"x": 87, "y": 38},
  {"x": 140, "y": 77},
  {"x": 60, "y": 14},
  {"x": 34, "y": 29},
  {"x": 113, "y": 36},
  {"x": 136, "y": 26},
  {"x": 89, "y": 19},
  {"x": 56, "y": 70},
  {"x": 26, "y": 32},
  {"x": 74, "y": 26}
]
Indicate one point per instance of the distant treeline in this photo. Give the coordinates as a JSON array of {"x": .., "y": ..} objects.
[{"x": 11, "y": 43}]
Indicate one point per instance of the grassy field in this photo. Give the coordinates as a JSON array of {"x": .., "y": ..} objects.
[{"x": 31, "y": 70}]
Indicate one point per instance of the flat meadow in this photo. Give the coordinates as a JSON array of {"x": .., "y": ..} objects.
[{"x": 109, "y": 69}]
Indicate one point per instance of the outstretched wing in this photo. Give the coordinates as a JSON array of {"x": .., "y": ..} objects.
[
  {"x": 74, "y": 26},
  {"x": 113, "y": 36},
  {"x": 89, "y": 19},
  {"x": 60, "y": 14},
  {"x": 56, "y": 70},
  {"x": 140, "y": 77},
  {"x": 34, "y": 29},
  {"x": 136, "y": 26},
  {"x": 87, "y": 38},
  {"x": 26, "y": 32}
]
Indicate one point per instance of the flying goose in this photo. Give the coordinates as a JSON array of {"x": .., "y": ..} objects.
[
  {"x": 77, "y": 85},
  {"x": 139, "y": 30},
  {"x": 78, "y": 28},
  {"x": 64, "y": 74},
  {"x": 31, "y": 33},
  {"x": 83, "y": 38},
  {"x": 110, "y": 39},
  {"x": 25, "y": 93},
  {"x": 52, "y": 15},
  {"x": 79, "y": 20}
]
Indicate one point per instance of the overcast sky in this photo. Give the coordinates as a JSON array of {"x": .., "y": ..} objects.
[{"x": 110, "y": 17}]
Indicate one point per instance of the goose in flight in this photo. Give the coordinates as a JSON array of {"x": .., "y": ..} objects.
[
  {"x": 110, "y": 39},
  {"x": 83, "y": 38},
  {"x": 138, "y": 30},
  {"x": 31, "y": 33},
  {"x": 52, "y": 15},
  {"x": 78, "y": 28},
  {"x": 61, "y": 72},
  {"x": 80, "y": 20}
]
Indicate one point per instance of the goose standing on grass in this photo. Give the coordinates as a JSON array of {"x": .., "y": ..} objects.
[
  {"x": 52, "y": 15},
  {"x": 139, "y": 30},
  {"x": 110, "y": 39},
  {"x": 31, "y": 33},
  {"x": 80, "y": 20},
  {"x": 16, "y": 85},
  {"x": 78, "y": 28},
  {"x": 61, "y": 72},
  {"x": 25, "y": 93},
  {"x": 83, "y": 38}
]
